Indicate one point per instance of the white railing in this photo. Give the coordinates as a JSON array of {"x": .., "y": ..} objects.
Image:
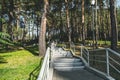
[
  {"x": 44, "y": 71},
  {"x": 85, "y": 55},
  {"x": 73, "y": 47},
  {"x": 104, "y": 61}
]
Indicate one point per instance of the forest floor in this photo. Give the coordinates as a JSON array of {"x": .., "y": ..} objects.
[{"x": 18, "y": 64}]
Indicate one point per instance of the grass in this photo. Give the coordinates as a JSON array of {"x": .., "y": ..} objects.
[
  {"x": 100, "y": 42},
  {"x": 17, "y": 65}
]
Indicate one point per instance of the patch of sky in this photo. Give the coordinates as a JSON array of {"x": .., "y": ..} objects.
[{"x": 118, "y": 3}]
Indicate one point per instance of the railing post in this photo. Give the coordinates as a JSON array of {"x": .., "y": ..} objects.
[
  {"x": 48, "y": 64},
  {"x": 65, "y": 45},
  {"x": 50, "y": 55},
  {"x": 74, "y": 48},
  {"x": 88, "y": 58},
  {"x": 107, "y": 62},
  {"x": 81, "y": 51}
]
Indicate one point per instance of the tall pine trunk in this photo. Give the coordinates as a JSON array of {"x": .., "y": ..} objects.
[
  {"x": 83, "y": 22},
  {"x": 96, "y": 26},
  {"x": 11, "y": 17},
  {"x": 68, "y": 22},
  {"x": 42, "y": 40},
  {"x": 1, "y": 15},
  {"x": 113, "y": 25},
  {"x": 0, "y": 21}
]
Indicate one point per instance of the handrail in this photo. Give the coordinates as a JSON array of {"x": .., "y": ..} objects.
[
  {"x": 113, "y": 52},
  {"x": 115, "y": 68},
  {"x": 44, "y": 72},
  {"x": 115, "y": 62},
  {"x": 107, "y": 60},
  {"x": 85, "y": 51}
]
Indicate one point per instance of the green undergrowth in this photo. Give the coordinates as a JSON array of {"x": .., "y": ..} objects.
[{"x": 17, "y": 65}]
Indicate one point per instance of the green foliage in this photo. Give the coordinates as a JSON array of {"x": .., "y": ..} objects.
[
  {"x": 2, "y": 20},
  {"x": 5, "y": 39},
  {"x": 60, "y": 45}
]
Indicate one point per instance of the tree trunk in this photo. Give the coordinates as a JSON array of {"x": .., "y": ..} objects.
[
  {"x": 61, "y": 23},
  {"x": 68, "y": 22},
  {"x": 83, "y": 22},
  {"x": 1, "y": 16},
  {"x": 11, "y": 17},
  {"x": 96, "y": 27},
  {"x": 0, "y": 22},
  {"x": 42, "y": 41},
  {"x": 113, "y": 25}
]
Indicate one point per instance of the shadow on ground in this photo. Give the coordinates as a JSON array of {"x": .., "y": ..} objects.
[
  {"x": 32, "y": 49},
  {"x": 34, "y": 74},
  {"x": 5, "y": 50},
  {"x": 2, "y": 60}
]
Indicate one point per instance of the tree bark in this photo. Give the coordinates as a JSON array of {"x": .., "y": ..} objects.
[
  {"x": 83, "y": 22},
  {"x": 113, "y": 26},
  {"x": 1, "y": 16},
  {"x": 68, "y": 22},
  {"x": 11, "y": 17},
  {"x": 61, "y": 22},
  {"x": 42, "y": 40},
  {"x": 96, "y": 27},
  {"x": 0, "y": 22}
]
